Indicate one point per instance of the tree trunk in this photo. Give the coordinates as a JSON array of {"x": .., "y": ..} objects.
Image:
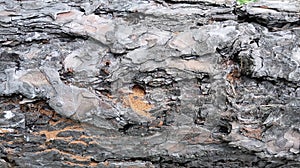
[{"x": 149, "y": 83}]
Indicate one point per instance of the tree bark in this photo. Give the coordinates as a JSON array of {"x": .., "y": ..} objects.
[{"x": 149, "y": 83}]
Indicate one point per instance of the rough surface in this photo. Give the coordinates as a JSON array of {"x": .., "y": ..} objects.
[{"x": 149, "y": 83}]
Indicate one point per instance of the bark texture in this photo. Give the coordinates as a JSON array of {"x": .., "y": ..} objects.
[{"x": 149, "y": 83}]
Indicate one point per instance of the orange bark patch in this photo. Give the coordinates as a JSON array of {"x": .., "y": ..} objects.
[
  {"x": 81, "y": 158},
  {"x": 50, "y": 135},
  {"x": 161, "y": 123},
  {"x": 84, "y": 137},
  {"x": 252, "y": 133},
  {"x": 74, "y": 164},
  {"x": 75, "y": 158},
  {"x": 93, "y": 143},
  {"x": 233, "y": 76},
  {"x": 79, "y": 142},
  {"x": 56, "y": 150},
  {"x": 106, "y": 163},
  {"x": 54, "y": 123},
  {"x": 6, "y": 130},
  {"x": 137, "y": 102},
  {"x": 93, "y": 164},
  {"x": 46, "y": 112}
]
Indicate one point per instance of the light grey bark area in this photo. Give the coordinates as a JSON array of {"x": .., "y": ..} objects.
[{"x": 149, "y": 83}]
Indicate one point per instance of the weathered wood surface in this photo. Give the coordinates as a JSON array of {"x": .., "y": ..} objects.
[{"x": 149, "y": 83}]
